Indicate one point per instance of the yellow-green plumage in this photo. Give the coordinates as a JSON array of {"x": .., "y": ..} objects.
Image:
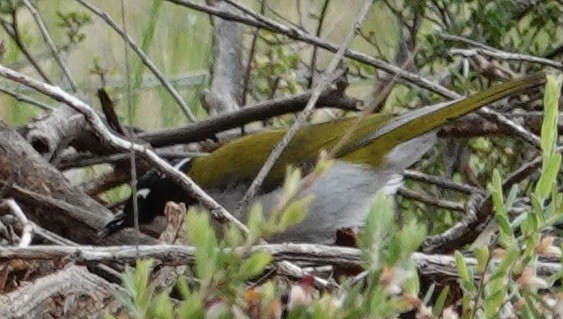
[
  {"x": 232, "y": 163},
  {"x": 373, "y": 137}
]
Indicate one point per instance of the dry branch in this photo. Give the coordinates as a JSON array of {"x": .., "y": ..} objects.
[
  {"x": 27, "y": 170},
  {"x": 225, "y": 91},
  {"x": 84, "y": 295},
  {"x": 47, "y": 196},
  {"x": 261, "y": 111},
  {"x": 178, "y": 255},
  {"x": 473, "y": 125},
  {"x": 55, "y": 131}
]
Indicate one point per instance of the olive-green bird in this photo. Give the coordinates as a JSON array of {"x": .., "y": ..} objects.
[{"x": 374, "y": 156}]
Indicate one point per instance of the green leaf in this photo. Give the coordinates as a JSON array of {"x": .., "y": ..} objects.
[
  {"x": 161, "y": 307},
  {"x": 254, "y": 265},
  {"x": 410, "y": 238},
  {"x": 493, "y": 302},
  {"x": 255, "y": 221},
  {"x": 496, "y": 193},
  {"x": 552, "y": 164},
  {"x": 441, "y": 301},
  {"x": 138, "y": 291},
  {"x": 504, "y": 227},
  {"x": 322, "y": 165},
  {"x": 182, "y": 287},
  {"x": 428, "y": 294},
  {"x": 295, "y": 212},
  {"x": 482, "y": 256},
  {"x": 191, "y": 307},
  {"x": 291, "y": 183},
  {"x": 202, "y": 236},
  {"x": 464, "y": 274},
  {"x": 501, "y": 214},
  {"x": 533, "y": 300},
  {"x": 519, "y": 219},
  {"x": 412, "y": 284},
  {"x": 379, "y": 221},
  {"x": 551, "y": 114},
  {"x": 535, "y": 217},
  {"x": 508, "y": 260},
  {"x": 511, "y": 197},
  {"x": 233, "y": 236}
]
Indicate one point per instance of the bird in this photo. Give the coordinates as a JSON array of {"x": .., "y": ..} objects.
[{"x": 373, "y": 158}]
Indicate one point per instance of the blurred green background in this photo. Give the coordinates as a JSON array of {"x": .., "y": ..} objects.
[{"x": 177, "y": 39}]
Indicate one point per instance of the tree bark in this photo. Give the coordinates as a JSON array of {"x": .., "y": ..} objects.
[{"x": 48, "y": 198}]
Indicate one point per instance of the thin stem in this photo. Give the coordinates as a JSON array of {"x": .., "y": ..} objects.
[
  {"x": 50, "y": 44},
  {"x": 12, "y": 30},
  {"x": 313, "y": 67},
  {"x": 25, "y": 99}
]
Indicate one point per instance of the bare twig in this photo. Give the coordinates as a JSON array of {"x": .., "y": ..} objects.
[
  {"x": 453, "y": 237},
  {"x": 470, "y": 226},
  {"x": 81, "y": 294},
  {"x": 452, "y": 37},
  {"x": 209, "y": 127},
  {"x": 501, "y": 55},
  {"x": 517, "y": 129},
  {"x": 81, "y": 159},
  {"x": 313, "y": 66},
  {"x": 26, "y": 99},
  {"x": 523, "y": 171},
  {"x": 27, "y": 232},
  {"x": 13, "y": 31},
  {"x": 149, "y": 81},
  {"x": 251, "y": 54},
  {"x": 474, "y": 125},
  {"x": 434, "y": 201},
  {"x": 181, "y": 255},
  {"x": 224, "y": 93},
  {"x": 50, "y": 44},
  {"x": 130, "y": 136},
  {"x": 441, "y": 182}
]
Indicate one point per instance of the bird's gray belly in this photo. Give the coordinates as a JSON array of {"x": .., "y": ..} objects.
[{"x": 342, "y": 197}]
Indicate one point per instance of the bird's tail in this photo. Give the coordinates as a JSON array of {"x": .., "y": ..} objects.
[{"x": 416, "y": 123}]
